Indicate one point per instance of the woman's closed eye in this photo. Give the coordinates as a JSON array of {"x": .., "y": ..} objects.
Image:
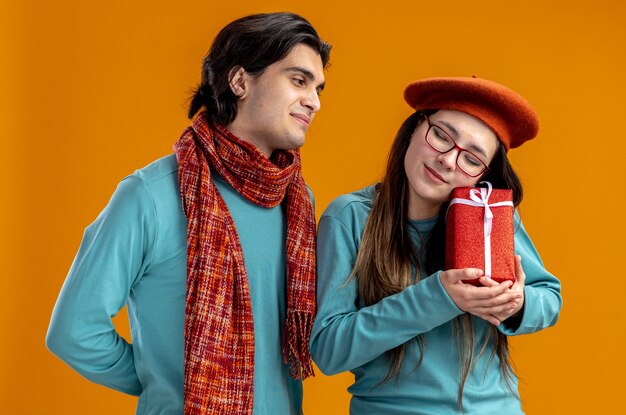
[
  {"x": 471, "y": 159},
  {"x": 441, "y": 135}
]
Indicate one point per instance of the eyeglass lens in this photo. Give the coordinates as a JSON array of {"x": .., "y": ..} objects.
[{"x": 442, "y": 142}]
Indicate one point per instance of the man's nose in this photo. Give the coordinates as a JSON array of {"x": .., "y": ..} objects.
[{"x": 312, "y": 101}]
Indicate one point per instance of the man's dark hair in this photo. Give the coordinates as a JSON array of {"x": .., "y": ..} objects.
[{"x": 253, "y": 43}]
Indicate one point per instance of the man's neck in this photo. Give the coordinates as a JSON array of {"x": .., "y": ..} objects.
[{"x": 241, "y": 132}]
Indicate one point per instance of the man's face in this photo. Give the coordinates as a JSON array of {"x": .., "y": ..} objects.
[{"x": 276, "y": 107}]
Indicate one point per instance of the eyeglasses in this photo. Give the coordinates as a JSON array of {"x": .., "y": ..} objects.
[{"x": 441, "y": 142}]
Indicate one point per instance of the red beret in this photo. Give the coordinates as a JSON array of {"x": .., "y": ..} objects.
[{"x": 508, "y": 114}]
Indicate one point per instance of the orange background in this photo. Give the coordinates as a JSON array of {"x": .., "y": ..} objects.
[{"x": 91, "y": 91}]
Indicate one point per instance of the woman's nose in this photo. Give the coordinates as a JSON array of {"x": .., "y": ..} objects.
[{"x": 448, "y": 159}]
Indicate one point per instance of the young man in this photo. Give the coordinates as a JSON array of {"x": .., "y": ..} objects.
[{"x": 211, "y": 249}]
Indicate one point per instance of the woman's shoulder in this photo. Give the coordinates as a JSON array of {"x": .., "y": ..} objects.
[{"x": 357, "y": 203}]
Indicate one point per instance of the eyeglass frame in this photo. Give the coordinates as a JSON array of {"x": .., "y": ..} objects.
[{"x": 454, "y": 146}]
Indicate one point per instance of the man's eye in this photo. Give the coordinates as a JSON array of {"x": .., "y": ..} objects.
[{"x": 299, "y": 81}]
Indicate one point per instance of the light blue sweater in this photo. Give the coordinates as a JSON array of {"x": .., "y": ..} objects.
[
  {"x": 349, "y": 336},
  {"x": 135, "y": 253}
]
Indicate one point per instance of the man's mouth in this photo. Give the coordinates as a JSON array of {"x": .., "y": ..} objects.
[{"x": 302, "y": 118}]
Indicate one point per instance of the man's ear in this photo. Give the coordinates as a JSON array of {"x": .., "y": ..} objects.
[{"x": 238, "y": 81}]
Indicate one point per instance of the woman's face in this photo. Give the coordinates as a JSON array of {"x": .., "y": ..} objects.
[{"x": 432, "y": 175}]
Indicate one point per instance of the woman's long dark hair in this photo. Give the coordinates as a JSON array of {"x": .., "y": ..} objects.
[
  {"x": 386, "y": 268},
  {"x": 253, "y": 43}
]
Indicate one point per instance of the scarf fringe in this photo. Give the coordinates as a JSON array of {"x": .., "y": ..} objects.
[{"x": 298, "y": 356}]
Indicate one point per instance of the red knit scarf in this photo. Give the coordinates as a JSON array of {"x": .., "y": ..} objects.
[{"x": 219, "y": 329}]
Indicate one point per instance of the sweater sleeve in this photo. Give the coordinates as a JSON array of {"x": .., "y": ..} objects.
[
  {"x": 346, "y": 336},
  {"x": 542, "y": 291},
  {"x": 113, "y": 254}
]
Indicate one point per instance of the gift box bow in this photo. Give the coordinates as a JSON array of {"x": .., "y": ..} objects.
[{"x": 480, "y": 198}]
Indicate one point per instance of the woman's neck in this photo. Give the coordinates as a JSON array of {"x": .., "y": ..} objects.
[{"x": 421, "y": 210}]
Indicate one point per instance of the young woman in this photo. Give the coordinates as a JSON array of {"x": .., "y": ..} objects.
[{"x": 417, "y": 339}]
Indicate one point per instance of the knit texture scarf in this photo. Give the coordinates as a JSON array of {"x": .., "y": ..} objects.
[{"x": 219, "y": 329}]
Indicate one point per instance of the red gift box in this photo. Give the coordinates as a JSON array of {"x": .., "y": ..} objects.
[{"x": 479, "y": 232}]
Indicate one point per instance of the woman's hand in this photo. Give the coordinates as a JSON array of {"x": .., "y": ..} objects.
[
  {"x": 517, "y": 288},
  {"x": 490, "y": 302}
]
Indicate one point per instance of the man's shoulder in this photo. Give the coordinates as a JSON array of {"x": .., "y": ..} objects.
[
  {"x": 357, "y": 203},
  {"x": 152, "y": 185},
  {"x": 159, "y": 170}
]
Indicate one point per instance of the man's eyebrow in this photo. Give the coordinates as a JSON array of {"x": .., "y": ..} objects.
[
  {"x": 473, "y": 147},
  {"x": 307, "y": 73}
]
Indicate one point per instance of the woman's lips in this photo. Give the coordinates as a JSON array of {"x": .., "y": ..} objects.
[{"x": 434, "y": 175}]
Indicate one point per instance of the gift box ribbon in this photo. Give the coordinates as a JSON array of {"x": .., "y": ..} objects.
[{"x": 478, "y": 198}]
